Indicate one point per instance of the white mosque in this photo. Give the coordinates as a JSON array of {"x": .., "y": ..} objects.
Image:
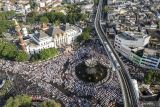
[{"x": 48, "y": 37}]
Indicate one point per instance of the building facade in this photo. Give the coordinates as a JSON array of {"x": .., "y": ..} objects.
[
  {"x": 51, "y": 37},
  {"x": 132, "y": 45}
]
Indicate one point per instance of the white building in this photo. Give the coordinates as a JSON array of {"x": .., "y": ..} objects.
[
  {"x": 87, "y": 8},
  {"x": 51, "y": 37},
  {"x": 42, "y": 4},
  {"x": 8, "y": 6},
  {"x": 132, "y": 46},
  {"x": 18, "y": 8}
]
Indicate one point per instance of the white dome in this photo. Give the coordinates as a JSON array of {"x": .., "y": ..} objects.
[{"x": 25, "y": 32}]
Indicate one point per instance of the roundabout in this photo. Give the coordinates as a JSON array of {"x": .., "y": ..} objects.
[
  {"x": 82, "y": 78},
  {"x": 91, "y": 70}
]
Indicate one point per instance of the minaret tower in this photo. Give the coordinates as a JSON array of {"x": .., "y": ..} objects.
[{"x": 20, "y": 36}]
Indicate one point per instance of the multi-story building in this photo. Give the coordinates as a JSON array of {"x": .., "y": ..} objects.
[
  {"x": 49, "y": 37},
  {"x": 132, "y": 45},
  {"x": 22, "y": 6}
]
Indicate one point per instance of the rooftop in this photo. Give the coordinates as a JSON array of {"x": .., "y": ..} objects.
[
  {"x": 153, "y": 52},
  {"x": 40, "y": 35},
  {"x": 128, "y": 35},
  {"x": 154, "y": 34},
  {"x": 54, "y": 31},
  {"x": 31, "y": 43}
]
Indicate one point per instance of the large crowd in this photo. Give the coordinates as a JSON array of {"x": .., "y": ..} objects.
[
  {"x": 57, "y": 77},
  {"x": 135, "y": 71}
]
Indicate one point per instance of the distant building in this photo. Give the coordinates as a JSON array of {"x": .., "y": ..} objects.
[
  {"x": 21, "y": 7},
  {"x": 87, "y": 8},
  {"x": 8, "y": 6},
  {"x": 132, "y": 45}
]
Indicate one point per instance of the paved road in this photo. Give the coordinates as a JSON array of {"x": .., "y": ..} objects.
[{"x": 129, "y": 96}]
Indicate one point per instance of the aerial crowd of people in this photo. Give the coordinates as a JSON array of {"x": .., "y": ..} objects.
[{"x": 57, "y": 77}]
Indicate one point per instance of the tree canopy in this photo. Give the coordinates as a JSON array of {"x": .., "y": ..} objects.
[
  {"x": 148, "y": 77},
  {"x": 26, "y": 101},
  {"x": 6, "y": 15},
  {"x": 32, "y": 4},
  {"x": 10, "y": 52},
  {"x": 22, "y": 56},
  {"x": 44, "y": 19},
  {"x": 85, "y": 35},
  {"x": 51, "y": 103},
  {"x": 31, "y": 17},
  {"x": 5, "y": 24},
  {"x": 74, "y": 14},
  {"x": 18, "y": 101},
  {"x": 45, "y": 54},
  {"x": 48, "y": 53},
  {"x": 106, "y": 8},
  {"x": 152, "y": 76},
  {"x": 55, "y": 16}
]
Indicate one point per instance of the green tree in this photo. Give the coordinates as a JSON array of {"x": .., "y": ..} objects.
[
  {"x": 6, "y": 15},
  {"x": 9, "y": 51},
  {"x": 22, "y": 56},
  {"x": 30, "y": 20},
  {"x": 35, "y": 57},
  {"x": 2, "y": 45},
  {"x": 74, "y": 14},
  {"x": 149, "y": 77},
  {"x": 32, "y": 4},
  {"x": 85, "y": 35},
  {"x": 19, "y": 101},
  {"x": 54, "y": 16},
  {"x": 2, "y": 16},
  {"x": 106, "y": 8},
  {"x": 31, "y": 17},
  {"x": 48, "y": 53},
  {"x": 5, "y": 25},
  {"x": 87, "y": 29},
  {"x": 44, "y": 19},
  {"x": 57, "y": 23},
  {"x": 96, "y": 2},
  {"x": 157, "y": 77},
  {"x": 51, "y": 103},
  {"x": 9, "y": 14}
]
